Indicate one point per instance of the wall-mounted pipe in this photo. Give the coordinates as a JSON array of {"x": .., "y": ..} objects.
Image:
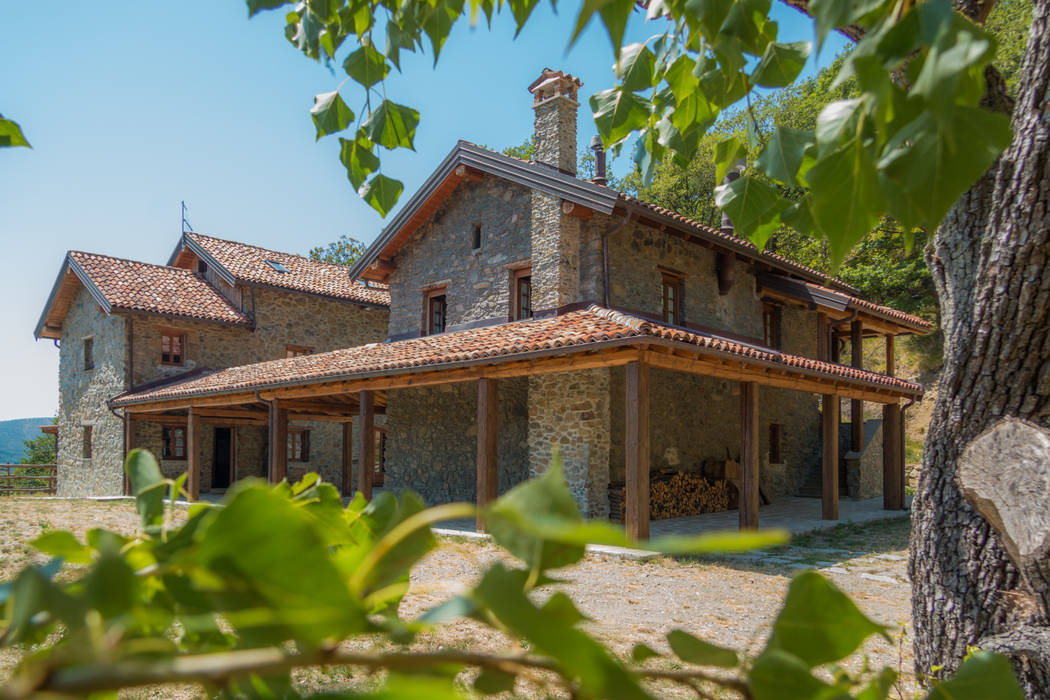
[{"x": 605, "y": 257}]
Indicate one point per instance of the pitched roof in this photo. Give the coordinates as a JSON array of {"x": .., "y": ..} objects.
[
  {"x": 582, "y": 330},
  {"x": 248, "y": 263},
  {"x": 128, "y": 285}
]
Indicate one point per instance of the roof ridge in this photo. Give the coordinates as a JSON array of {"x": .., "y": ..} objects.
[
  {"x": 306, "y": 258},
  {"x": 180, "y": 270}
]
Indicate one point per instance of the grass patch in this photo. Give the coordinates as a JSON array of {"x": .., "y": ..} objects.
[{"x": 890, "y": 535}]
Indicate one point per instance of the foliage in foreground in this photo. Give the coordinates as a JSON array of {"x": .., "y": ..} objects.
[{"x": 276, "y": 577}]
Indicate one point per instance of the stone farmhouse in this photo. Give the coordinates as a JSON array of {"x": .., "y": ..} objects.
[
  {"x": 122, "y": 324},
  {"x": 530, "y": 309}
]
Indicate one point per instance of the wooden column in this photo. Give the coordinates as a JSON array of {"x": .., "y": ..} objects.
[
  {"x": 829, "y": 439},
  {"x": 348, "y": 459},
  {"x": 193, "y": 455},
  {"x": 822, "y": 336},
  {"x": 488, "y": 425},
  {"x": 748, "y": 455},
  {"x": 129, "y": 445},
  {"x": 892, "y": 464},
  {"x": 366, "y": 431},
  {"x": 891, "y": 355},
  {"x": 278, "y": 442},
  {"x": 856, "y": 406},
  {"x": 637, "y": 450}
]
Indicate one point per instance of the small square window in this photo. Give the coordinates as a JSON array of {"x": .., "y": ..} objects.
[
  {"x": 86, "y": 446},
  {"x": 172, "y": 348},
  {"x": 298, "y": 445},
  {"x": 436, "y": 312},
  {"x": 476, "y": 241},
  {"x": 776, "y": 430},
  {"x": 89, "y": 353},
  {"x": 297, "y": 350},
  {"x": 174, "y": 443},
  {"x": 277, "y": 266}
]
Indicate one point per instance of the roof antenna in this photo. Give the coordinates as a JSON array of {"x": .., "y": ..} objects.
[{"x": 186, "y": 225}]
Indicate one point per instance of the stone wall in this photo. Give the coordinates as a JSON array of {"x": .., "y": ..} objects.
[
  {"x": 440, "y": 254},
  {"x": 864, "y": 469},
  {"x": 432, "y": 440},
  {"x": 282, "y": 318},
  {"x": 571, "y": 410},
  {"x": 556, "y": 254},
  {"x": 82, "y": 400}
]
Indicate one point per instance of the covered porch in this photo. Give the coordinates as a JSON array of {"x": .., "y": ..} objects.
[{"x": 351, "y": 386}]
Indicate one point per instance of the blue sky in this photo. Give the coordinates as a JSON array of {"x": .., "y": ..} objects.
[{"x": 134, "y": 106}]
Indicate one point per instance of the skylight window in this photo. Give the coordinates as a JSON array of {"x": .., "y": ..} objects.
[{"x": 277, "y": 266}]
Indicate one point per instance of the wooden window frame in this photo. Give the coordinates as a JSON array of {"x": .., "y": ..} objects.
[
  {"x": 517, "y": 277},
  {"x": 304, "y": 445},
  {"x": 671, "y": 297},
  {"x": 776, "y": 443},
  {"x": 86, "y": 446},
  {"x": 166, "y": 441},
  {"x": 772, "y": 328},
  {"x": 297, "y": 350},
  {"x": 428, "y": 316},
  {"x": 89, "y": 353},
  {"x": 173, "y": 333}
]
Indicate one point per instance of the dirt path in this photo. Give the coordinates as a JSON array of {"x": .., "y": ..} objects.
[{"x": 730, "y": 601}]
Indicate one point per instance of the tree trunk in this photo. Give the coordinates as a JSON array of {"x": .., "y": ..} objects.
[{"x": 990, "y": 263}]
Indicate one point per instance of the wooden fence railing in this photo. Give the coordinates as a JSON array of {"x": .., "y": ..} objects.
[{"x": 28, "y": 478}]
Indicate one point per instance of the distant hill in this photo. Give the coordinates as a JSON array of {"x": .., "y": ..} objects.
[{"x": 14, "y": 432}]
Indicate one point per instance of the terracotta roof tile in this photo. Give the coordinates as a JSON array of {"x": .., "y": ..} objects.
[
  {"x": 573, "y": 329},
  {"x": 138, "y": 286},
  {"x": 248, "y": 263}
]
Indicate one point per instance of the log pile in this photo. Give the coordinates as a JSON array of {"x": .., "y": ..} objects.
[{"x": 674, "y": 494}]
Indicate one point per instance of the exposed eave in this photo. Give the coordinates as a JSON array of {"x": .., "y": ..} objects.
[
  {"x": 187, "y": 243},
  {"x": 69, "y": 270}
]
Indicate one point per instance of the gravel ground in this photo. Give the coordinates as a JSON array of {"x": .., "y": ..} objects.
[{"x": 730, "y": 601}]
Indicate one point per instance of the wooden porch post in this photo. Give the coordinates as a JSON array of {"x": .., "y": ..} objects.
[
  {"x": 193, "y": 454},
  {"x": 891, "y": 355},
  {"x": 348, "y": 459},
  {"x": 366, "y": 431},
  {"x": 637, "y": 450},
  {"x": 488, "y": 447},
  {"x": 748, "y": 455},
  {"x": 856, "y": 406},
  {"x": 278, "y": 442},
  {"x": 892, "y": 465},
  {"x": 822, "y": 336},
  {"x": 129, "y": 445},
  {"x": 829, "y": 423}
]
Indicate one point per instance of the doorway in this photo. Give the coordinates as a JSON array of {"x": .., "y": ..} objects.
[{"x": 222, "y": 465}]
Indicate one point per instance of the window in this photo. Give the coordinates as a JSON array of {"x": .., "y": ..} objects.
[
  {"x": 297, "y": 350},
  {"x": 522, "y": 294},
  {"x": 202, "y": 267},
  {"x": 89, "y": 353},
  {"x": 277, "y": 266},
  {"x": 86, "y": 447},
  {"x": 436, "y": 311},
  {"x": 172, "y": 347},
  {"x": 174, "y": 443},
  {"x": 771, "y": 326},
  {"x": 476, "y": 242},
  {"x": 298, "y": 445},
  {"x": 672, "y": 299},
  {"x": 775, "y": 433}
]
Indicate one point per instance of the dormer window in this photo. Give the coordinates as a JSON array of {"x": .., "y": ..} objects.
[
  {"x": 277, "y": 266},
  {"x": 476, "y": 240}
]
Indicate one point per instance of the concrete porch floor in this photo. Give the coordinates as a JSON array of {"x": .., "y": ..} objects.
[{"x": 794, "y": 514}]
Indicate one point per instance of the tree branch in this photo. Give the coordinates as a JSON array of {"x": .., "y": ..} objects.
[
  {"x": 852, "y": 32},
  {"x": 1028, "y": 640}
]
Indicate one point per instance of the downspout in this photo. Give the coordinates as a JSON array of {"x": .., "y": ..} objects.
[{"x": 605, "y": 257}]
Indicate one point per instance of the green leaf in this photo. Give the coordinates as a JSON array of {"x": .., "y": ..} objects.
[
  {"x": 783, "y": 155},
  {"x": 778, "y": 675},
  {"x": 63, "y": 544},
  {"x": 982, "y": 675},
  {"x": 392, "y": 126},
  {"x": 367, "y": 66},
  {"x": 696, "y": 651},
  {"x": 437, "y": 23},
  {"x": 746, "y": 22},
  {"x": 148, "y": 485},
  {"x": 562, "y": 608},
  {"x": 781, "y": 64},
  {"x": 111, "y": 586},
  {"x": 617, "y": 113},
  {"x": 819, "y": 623},
  {"x": 837, "y": 122},
  {"x": 257, "y": 6},
  {"x": 722, "y": 542},
  {"x": 358, "y": 159},
  {"x": 522, "y": 10},
  {"x": 330, "y": 114},
  {"x": 749, "y": 203},
  {"x": 680, "y": 78},
  {"x": 728, "y": 154},
  {"x": 636, "y": 67},
  {"x": 381, "y": 193},
  {"x": 832, "y": 14},
  {"x": 490, "y": 682},
  {"x": 11, "y": 134},
  {"x": 880, "y": 686},
  {"x": 640, "y": 653},
  {"x": 397, "y": 38}
]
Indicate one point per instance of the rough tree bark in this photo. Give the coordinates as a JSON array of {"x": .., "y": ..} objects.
[{"x": 989, "y": 262}]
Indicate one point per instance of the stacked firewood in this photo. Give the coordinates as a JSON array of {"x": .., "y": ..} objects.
[{"x": 674, "y": 494}]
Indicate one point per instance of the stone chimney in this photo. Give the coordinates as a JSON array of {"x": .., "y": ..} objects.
[{"x": 555, "y": 102}]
